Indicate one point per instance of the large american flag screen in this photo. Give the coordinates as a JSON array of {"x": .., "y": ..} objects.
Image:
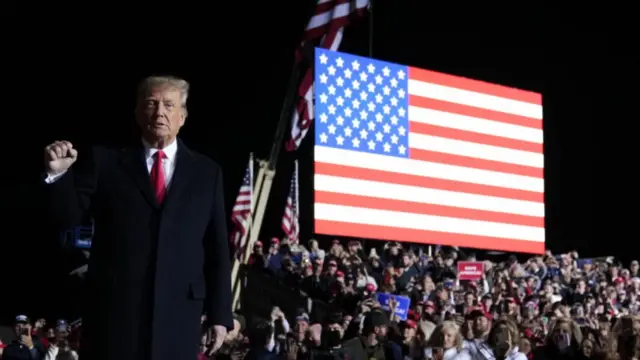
[{"x": 408, "y": 154}]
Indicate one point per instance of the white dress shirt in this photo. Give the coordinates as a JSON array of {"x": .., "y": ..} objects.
[{"x": 168, "y": 163}]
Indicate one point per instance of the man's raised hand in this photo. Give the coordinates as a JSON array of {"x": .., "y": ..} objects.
[{"x": 59, "y": 156}]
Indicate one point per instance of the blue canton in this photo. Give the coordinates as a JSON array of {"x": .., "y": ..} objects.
[{"x": 361, "y": 104}]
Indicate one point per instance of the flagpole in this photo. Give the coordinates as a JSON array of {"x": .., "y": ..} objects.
[{"x": 242, "y": 246}]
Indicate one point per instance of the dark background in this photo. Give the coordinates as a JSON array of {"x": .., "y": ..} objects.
[{"x": 70, "y": 73}]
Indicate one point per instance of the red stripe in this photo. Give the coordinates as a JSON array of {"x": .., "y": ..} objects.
[
  {"x": 426, "y": 182},
  {"x": 336, "y": 228},
  {"x": 474, "y": 137},
  {"x": 474, "y": 85},
  {"x": 472, "y": 111},
  {"x": 475, "y": 163},
  {"x": 323, "y": 197}
]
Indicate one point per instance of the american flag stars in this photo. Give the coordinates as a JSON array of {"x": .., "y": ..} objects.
[{"x": 361, "y": 104}]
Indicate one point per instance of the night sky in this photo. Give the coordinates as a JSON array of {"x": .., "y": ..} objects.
[{"x": 73, "y": 77}]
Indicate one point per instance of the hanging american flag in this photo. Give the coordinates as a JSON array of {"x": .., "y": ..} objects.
[
  {"x": 242, "y": 209},
  {"x": 327, "y": 24},
  {"x": 290, "y": 219},
  {"x": 408, "y": 154}
]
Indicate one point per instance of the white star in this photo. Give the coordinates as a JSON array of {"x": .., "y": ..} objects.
[
  {"x": 386, "y": 109},
  {"x": 340, "y": 120},
  {"x": 401, "y": 93},
  {"x": 355, "y": 142},
  {"x": 323, "y": 59},
  {"x": 372, "y": 145},
  {"x": 364, "y": 134},
  {"x": 402, "y": 130},
  {"x": 386, "y": 71},
  {"x": 371, "y": 68},
  {"x": 355, "y": 123},
  {"x": 355, "y": 65},
  {"x": 340, "y": 100},
  {"x": 363, "y": 95},
  {"x": 347, "y": 112},
  {"x": 339, "y": 81},
  {"x": 394, "y": 120},
  {"x": 386, "y": 90},
  {"x": 347, "y": 132},
  {"x": 378, "y": 98},
  {"x": 332, "y": 109},
  {"x": 402, "y": 149},
  {"x": 347, "y": 73},
  {"x": 401, "y": 74},
  {"x": 387, "y": 147},
  {"x": 379, "y": 117},
  {"x": 394, "y": 139},
  {"x": 323, "y": 98},
  {"x": 371, "y": 87},
  {"x": 332, "y": 90},
  {"x": 323, "y": 118},
  {"x": 355, "y": 104},
  {"x": 363, "y": 115},
  {"x": 331, "y": 70},
  {"x": 340, "y": 140},
  {"x": 401, "y": 112},
  {"x": 339, "y": 62},
  {"x": 323, "y": 78},
  {"x": 378, "y": 79},
  {"x": 332, "y": 129},
  {"x": 363, "y": 76},
  {"x": 371, "y": 125},
  {"x": 371, "y": 106},
  {"x": 379, "y": 136},
  {"x": 394, "y": 101},
  {"x": 323, "y": 138},
  {"x": 347, "y": 92},
  {"x": 355, "y": 84},
  {"x": 386, "y": 128},
  {"x": 394, "y": 82}
]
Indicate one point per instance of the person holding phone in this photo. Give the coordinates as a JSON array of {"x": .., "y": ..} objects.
[{"x": 27, "y": 345}]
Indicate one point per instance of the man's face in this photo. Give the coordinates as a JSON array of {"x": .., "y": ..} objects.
[{"x": 160, "y": 114}]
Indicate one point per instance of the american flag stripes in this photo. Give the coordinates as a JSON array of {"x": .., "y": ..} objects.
[
  {"x": 241, "y": 212},
  {"x": 291, "y": 216},
  {"x": 327, "y": 24},
  {"x": 414, "y": 155}
]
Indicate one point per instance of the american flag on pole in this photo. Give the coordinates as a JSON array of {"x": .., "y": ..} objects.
[
  {"x": 291, "y": 216},
  {"x": 414, "y": 155},
  {"x": 242, "y": 209},
  {"x": 327, "y": 24}
]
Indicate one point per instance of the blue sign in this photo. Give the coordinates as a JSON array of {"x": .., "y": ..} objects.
[{"x": 403, "y": 304}]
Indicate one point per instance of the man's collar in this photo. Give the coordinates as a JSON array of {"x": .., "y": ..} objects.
[{"x": 170, "y": 150}]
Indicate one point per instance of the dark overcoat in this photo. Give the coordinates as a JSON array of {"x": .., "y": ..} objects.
[{"x": 153, "y": 268}]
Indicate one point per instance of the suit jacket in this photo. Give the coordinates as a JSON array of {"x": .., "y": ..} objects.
[{"x": 153, "y": 268}]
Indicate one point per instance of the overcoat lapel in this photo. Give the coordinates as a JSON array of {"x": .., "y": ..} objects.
[
  {"x": 134, "y": 163},
  {"x": 185, "y": 171}
]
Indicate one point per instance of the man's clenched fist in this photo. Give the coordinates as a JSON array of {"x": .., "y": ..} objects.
[{"x": 59, "y": 157}]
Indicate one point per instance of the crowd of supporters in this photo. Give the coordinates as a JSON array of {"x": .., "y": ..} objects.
[{"x": 547, "y": 307}]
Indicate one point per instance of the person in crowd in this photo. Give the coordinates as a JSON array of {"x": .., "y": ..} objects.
[
  {"x": 446, "y": 343},
  {"x": 160, "y": 249},
  {"x": 26, "y": 345},
  {"x": 59, "y": 343}
]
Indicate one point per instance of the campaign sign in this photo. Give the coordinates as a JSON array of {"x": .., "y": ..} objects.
[
  {"x": 470, "y": 270},
  {"x": 404, "y": 303}
]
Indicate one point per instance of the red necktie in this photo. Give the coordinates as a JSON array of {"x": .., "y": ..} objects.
[{"x": 157, "y": 176}]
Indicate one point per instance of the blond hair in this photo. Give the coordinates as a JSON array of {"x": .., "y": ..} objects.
[
  {"x": 436, "y": 340},
  {"x": 168, "y": 81}
]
